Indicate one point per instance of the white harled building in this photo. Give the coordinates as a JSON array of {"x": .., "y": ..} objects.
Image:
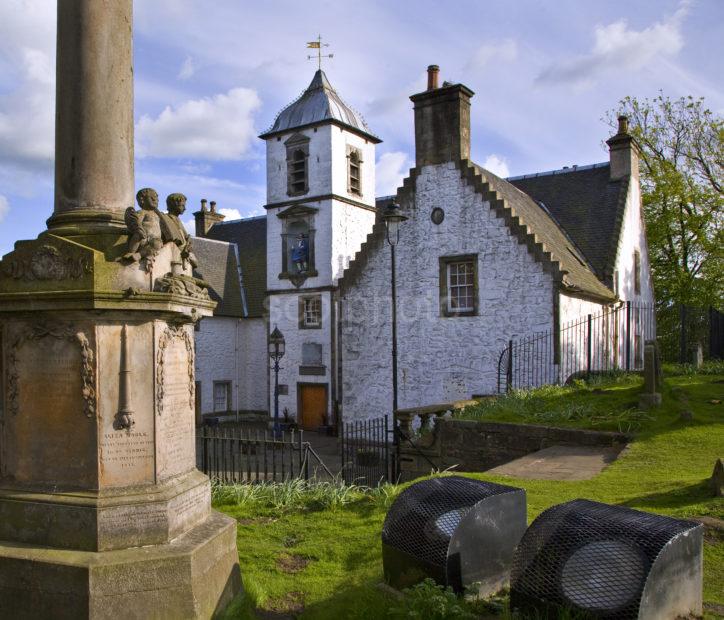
[
  {"x": 481, "y": 261},
  {"x": 320, "y": 207}
]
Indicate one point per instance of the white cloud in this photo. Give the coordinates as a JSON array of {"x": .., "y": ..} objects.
[
  {"x": 505, "y": 50},
  {"x": 619, "y": 48},
  {"x": 4, "y": 207},
  {"x": 27, "y": 116},
  {"x": 497, "y": 165},
  {"x": 230, "y": 214},
  {"x": 214, "y": 128},
  {"x": 390, "y": 171},
  {"x": 188, "y": 68}
]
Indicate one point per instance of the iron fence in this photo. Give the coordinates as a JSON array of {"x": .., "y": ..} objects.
[
  {"x": 613, "y": 339},
  {"x": 366, "y": 452},
  {"x": 237, "y": 455},
  {"x": 682, "y": 329}
]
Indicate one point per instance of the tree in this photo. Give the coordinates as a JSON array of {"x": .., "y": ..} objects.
[{"x": 682, "y": 173}]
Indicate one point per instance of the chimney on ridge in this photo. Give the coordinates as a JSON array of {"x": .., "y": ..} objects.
[
  {"x": 205, "y": 219},
  {"x": 624, "y": 154},
  {"x": 442, "y": 121}
]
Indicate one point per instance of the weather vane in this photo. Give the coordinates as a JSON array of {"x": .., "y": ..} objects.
[{"x": 318, "y": 45}]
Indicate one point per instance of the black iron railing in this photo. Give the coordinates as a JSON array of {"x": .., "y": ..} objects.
[
  {"x": 236, "y": 455},
  {"x": 611, "y": 340},
  {"x": 367, "y": 458}
]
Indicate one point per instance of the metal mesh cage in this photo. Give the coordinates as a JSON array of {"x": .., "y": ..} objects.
[
  {"x": 599, "y": 560},
  {"x": 453, "y": 529}
]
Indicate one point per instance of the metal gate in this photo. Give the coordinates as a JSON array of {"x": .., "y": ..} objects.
[{"x": 367, "y": 454}]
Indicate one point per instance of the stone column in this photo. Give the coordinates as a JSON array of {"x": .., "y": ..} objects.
[
  {"x": 102, "y": 510},
  {"x": 94, "y": 116}
]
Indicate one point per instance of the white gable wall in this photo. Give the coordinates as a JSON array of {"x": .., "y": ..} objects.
[
  {"x": 440, "y": 358},
  {"x": 633, "y": 237}
]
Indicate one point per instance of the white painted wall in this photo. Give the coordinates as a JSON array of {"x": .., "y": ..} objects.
[
  {"x": 633, "y": 237},
  {"x": 341, "y": 138},
  {"x": 284, "y": 314},
  {"x": 219, "y": 341},
  {"x": 350, "y": 227},
  {"x": 440, "y": 358}
]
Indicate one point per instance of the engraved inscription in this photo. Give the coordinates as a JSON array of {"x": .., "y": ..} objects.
[
  {"x": 176, "y": 425},
  {"x": 134, "y": 518},
  {"x": 127, "y": 451}
]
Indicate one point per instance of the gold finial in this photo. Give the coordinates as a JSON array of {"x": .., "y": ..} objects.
[{"x": 318, "y": 45}]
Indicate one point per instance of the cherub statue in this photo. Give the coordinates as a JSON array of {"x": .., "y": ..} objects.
[
  {"x": 144, "y": 227},
  {"x": 172, "y": 227}
]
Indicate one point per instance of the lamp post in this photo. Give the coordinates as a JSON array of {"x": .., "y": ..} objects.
[
  {"x": 392, "y": 218},
  {"x": 276, "y": 352}
]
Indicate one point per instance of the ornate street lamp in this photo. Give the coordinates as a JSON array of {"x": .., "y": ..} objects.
[
  {"x": 393, "y": 218},
  {"x": 276, "y": 352}
]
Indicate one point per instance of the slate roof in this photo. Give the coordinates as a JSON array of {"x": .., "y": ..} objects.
[
  {"x": 217, "y": 265},
  {"x": 538, "y": 222},
  {"x": 589, "y": 207},
  {"x": 318, "y": 103},
  {"x": 249, "y": 235}
]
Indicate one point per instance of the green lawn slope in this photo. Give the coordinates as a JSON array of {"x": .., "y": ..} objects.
[{"x": 316, "y": 552}]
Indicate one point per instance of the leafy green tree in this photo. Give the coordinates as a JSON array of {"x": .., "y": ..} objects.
[{"x": 682, "y": 173}]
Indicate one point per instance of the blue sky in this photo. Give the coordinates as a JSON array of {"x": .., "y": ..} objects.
[{"x": 210, "y": 76}]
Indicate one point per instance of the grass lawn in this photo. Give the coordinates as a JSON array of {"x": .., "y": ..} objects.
[{"x": 317, "y": 553}]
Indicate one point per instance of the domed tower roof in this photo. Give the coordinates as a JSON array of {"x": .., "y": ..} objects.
[{"x": 318, "y": 104}]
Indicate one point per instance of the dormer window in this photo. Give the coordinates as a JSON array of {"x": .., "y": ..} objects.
[
  {"x": 297, "y": 165},
  {"x": 354, "y": 171}
]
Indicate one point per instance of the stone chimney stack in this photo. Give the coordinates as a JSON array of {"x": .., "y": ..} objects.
[
  {"x": 624, "y": 154},
  {"x": 206, "y": 218},
  {"x": 442, "y": 121}
]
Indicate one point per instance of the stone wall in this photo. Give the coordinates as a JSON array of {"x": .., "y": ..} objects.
[
  {"x": 219, "y": 340},
  {"x": 441, "y": 359},
  {"x": 471, "y": 445}
]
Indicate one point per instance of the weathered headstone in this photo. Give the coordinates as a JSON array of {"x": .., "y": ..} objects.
[
  {"x": 651, "y": 393},
  {"x": 717, "y": 479},
  {"x": 102, "y": 511},
  {"x": 697, "y": 356}
]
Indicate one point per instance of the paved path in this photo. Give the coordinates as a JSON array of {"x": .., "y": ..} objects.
[{"x": 560, "y": 463}]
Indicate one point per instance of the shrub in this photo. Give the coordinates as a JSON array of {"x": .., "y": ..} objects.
[{"x": 430, "y": 601}]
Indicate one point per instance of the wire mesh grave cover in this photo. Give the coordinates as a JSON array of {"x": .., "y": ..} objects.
[
  {"x": 607, "y": 562},
  {"x": 456, "y": 530}
]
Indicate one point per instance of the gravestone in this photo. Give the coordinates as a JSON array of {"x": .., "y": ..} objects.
[
  {"x": 717, "y": 479},
  {"x": 102, "y": 510},
  {"x": 697, "y": 356},
  {"x": 653, "y": 378}
]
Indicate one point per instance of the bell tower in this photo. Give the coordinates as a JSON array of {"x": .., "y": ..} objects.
[{"x": 320, "y": 208}]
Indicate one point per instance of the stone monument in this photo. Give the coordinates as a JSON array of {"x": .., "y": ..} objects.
[
  {"x": 102, "y": 510},
  {"x": 653, "y": 377}
]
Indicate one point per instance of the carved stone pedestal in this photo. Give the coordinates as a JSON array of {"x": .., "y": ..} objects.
[{"x": 102, "y": 509}]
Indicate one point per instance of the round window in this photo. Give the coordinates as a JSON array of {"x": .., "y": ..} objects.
[{"x": 437, "y": 216}]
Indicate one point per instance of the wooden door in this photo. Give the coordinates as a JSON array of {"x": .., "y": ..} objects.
[{"x": 312, "y": 405}]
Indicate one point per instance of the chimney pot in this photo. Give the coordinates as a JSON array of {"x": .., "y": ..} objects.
[
  {"x": 203, "y": 204},
  {"x": 213, "y": 206},
  {"x": 432, "y": 74},
  {"x": 623, "y": 124}
]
